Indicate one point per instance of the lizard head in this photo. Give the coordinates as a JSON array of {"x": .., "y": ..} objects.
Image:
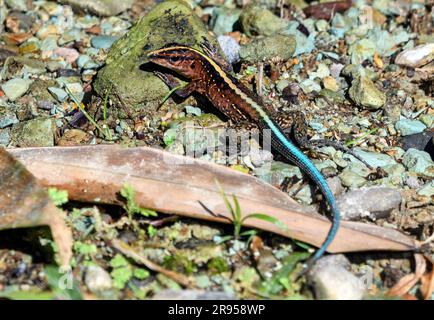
[{"x": 181, "y": 59}]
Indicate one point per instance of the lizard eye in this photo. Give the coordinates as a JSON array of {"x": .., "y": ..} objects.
[{"x": 174, "y": 59}]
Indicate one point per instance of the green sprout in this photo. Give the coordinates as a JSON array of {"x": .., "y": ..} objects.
[
  {"x": 108, "y": 134},
  {"x": 167, "y": 96},
  {"x": 359, "y": 139},
  {"x": 87, "y": 115},
  {"x": 238, "y": 219},
  {"x": 131, "y": 206}
]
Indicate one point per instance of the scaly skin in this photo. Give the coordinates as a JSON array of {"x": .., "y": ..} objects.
[{"x": 209, "y": 77}]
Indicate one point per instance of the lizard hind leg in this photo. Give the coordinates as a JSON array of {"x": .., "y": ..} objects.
[{"x": 295, "y": 126}]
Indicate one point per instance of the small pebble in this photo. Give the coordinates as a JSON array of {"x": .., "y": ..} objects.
[
  {"x": 375, "y": 202},
  {"x": 34, "y": 133},
  {"x": 408, "y": 127},
  {"x": 103, "y": 42},
  {"x": 97, "y": 279},
  {"x": 15, "y": 88},
  {"x": 70, "y": 55},
  {"x": 419, "y": 162},
  {"x": 7, "y": 117},
  {"x": 331, "y": 279},
  {"x": 230, "y": 48},
  {"x": 58, "y": 93},
  {"x": 416, "y": 57},
  {"x": 364, "y": 92}
]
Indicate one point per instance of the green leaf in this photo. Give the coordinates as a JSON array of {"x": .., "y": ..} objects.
[
  {"x": 34, "y": 294},
  {"x": 84, "y": 248},
  {"x": 152, "y": 231},
  {"x": 237, "y": 209},
  {"x": 251, "y": 232},
  {"x": 182, "y": 85},
  {"x": 302, "y": 245},
  {"x": 62, "y": 283},
  {"x": 265, "y": 217},
  {"x": 59, "y": 197},
  {"x": 140, "y": 273},
  {"x": 121, "y": 276},
  {"x": 226, "y": 200},
  {"x": 118, "y": 261},
  {"x": 279, "y": 281}
]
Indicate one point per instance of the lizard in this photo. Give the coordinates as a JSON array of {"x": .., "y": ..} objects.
[{"x": 210, "y": 75}]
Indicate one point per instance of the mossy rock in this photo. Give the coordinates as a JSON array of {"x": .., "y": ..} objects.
[{"x": 138, "y": 91}]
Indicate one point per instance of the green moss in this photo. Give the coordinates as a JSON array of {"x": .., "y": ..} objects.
[
  {"x": 179, "y": 263},
  {"x": 133, "y": 88},
  {"x": 218, "y": 265}
]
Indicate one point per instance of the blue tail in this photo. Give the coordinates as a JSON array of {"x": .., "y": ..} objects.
[{"x": 287, "y": 149}]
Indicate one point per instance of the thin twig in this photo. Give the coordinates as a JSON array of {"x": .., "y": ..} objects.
[
  {"x": 125, "y": 249},
  {"x": 260, "y": 78}
]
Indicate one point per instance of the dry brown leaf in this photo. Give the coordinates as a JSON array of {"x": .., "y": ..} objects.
[
  {"x": 177, "y": 185},
  {"x": 24, "y": 203},
  {"x": 427, "y": 281},
  {"x": 403, "y": 286}
]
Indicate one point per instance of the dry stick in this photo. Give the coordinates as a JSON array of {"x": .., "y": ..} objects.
[
  {"x": 138, "y": 258},
  {"x": 430, "y": 285},
  {"x": 260, "y": 77}
]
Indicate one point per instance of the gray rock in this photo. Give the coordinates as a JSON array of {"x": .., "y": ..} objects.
[
  {"x": 263, "y": 49},
  {"x": 427, "y": 190},
  {"x": 20, "y": 5},
  {"x": 259, "y": 21},
  {"x": 15, "y": 88},
  {"x": 416, "y": 57},
  {"x": 304, "y": 194},
  {"x": 230, "y": 48},
  {"x": 373, "y": 159},
  {"x": 58, "y": 93},
  {"x": 331, "y": 280},
  {"x": 34, "y": 133},
  {"x": 394, "y": 170},
  {"x": 29, "y": 65},
  {"x": 427, "y": 119},
  {"x": 5, "y": 137},
  {"x": 420, "y": 141},
  {"x": 365, "y": 94},
  {"x": 259, "y": 157},
  {"x": 408, "y": 127},
  {"x": 335, "y": 185},
  {"x": 103, "y": 42},
  {"x": 223, "y": 19},
  {"x": 277, "y": 172},
  {"x": 418, "y": 162},
  {"x": 282, "y": 84},
  {"x": 353, "y": 71},
  {"x": 375, "y": 202},
  {"x": 176, "y": 147},
  {"x": 97, "y": 279},
  {"x": 361, "y": 50},
  {"x": 171, "y": 294},
  {"x": 101, "y": 7},
  {"x": 49, "y": 43},
  {"x": 83, "y": 60},
  {"x": 351, "y": 179},
  {"x": 412, "y": 182},
  {"x": 309, "y": 85},
  {"x": 7, "y": 117}
]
